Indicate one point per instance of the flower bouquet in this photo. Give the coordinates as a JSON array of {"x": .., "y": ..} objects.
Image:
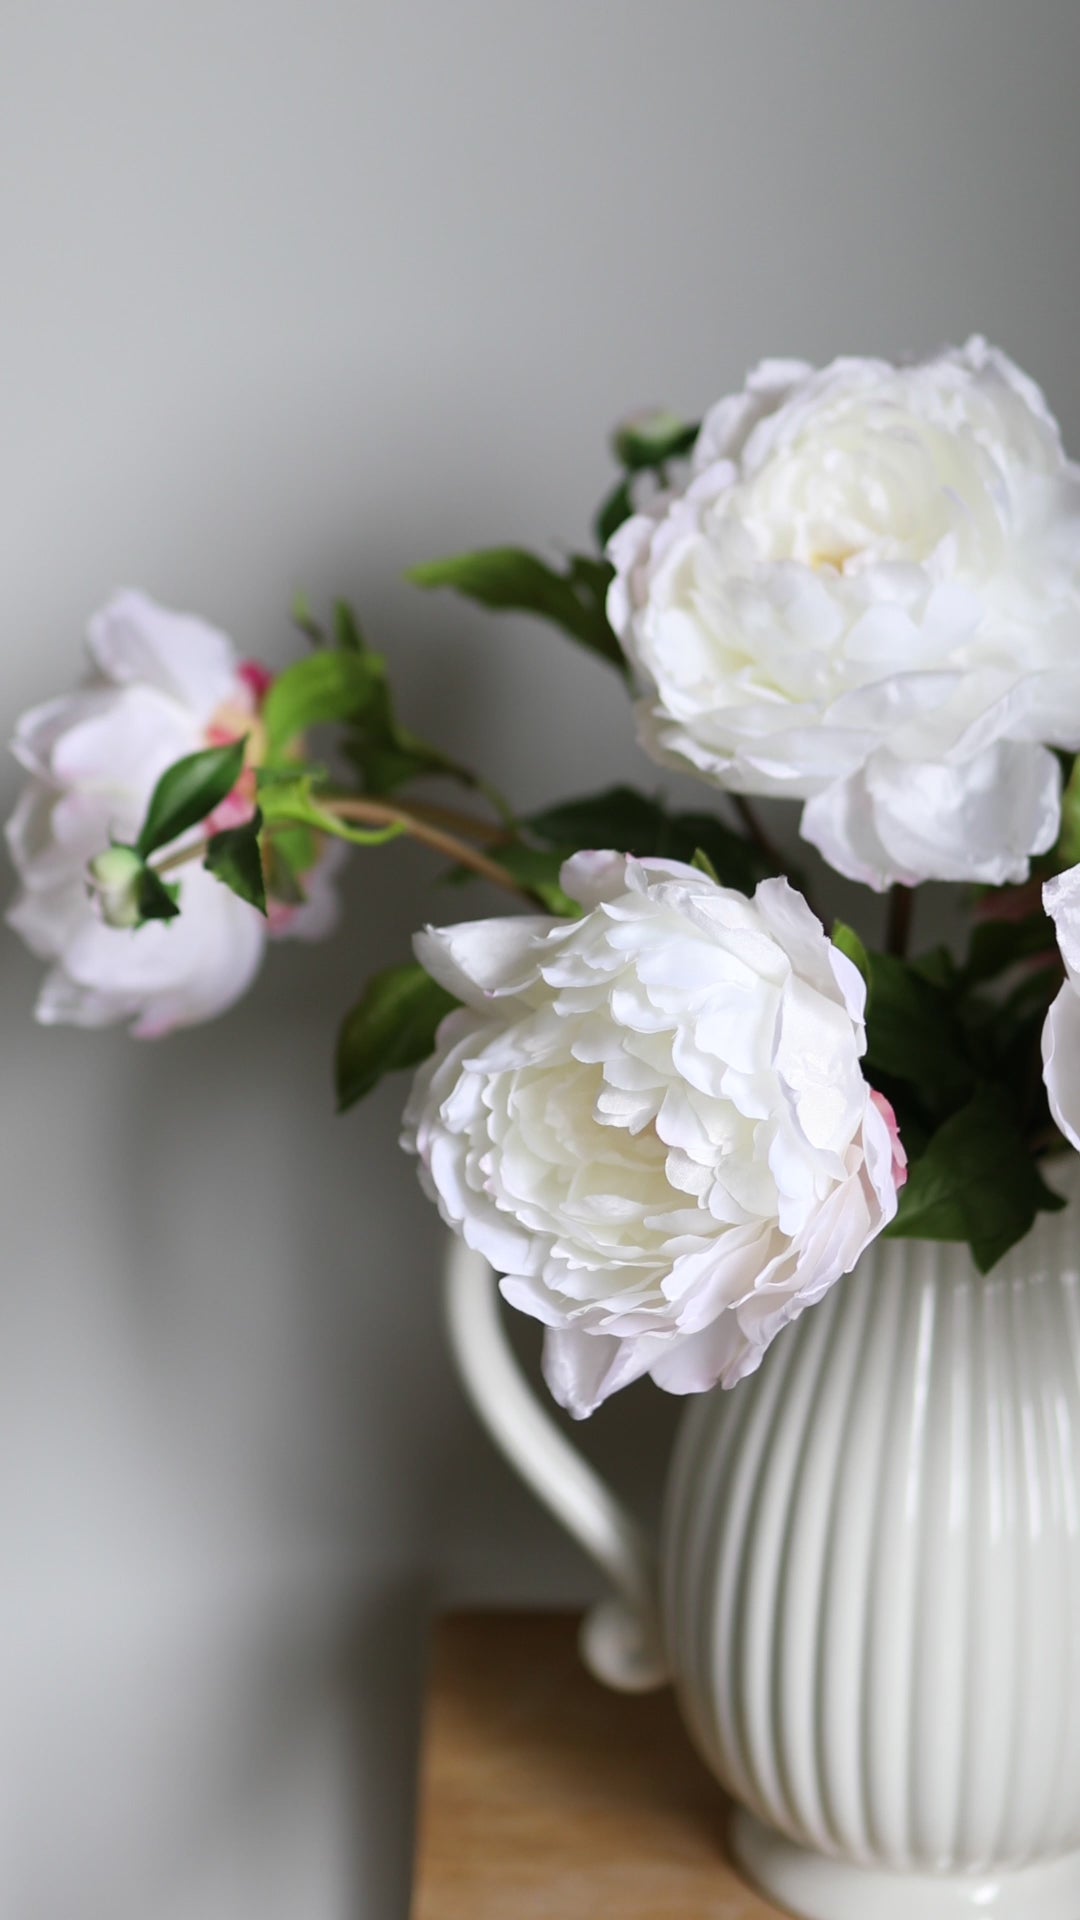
[{"x": 671, "y": 1109}]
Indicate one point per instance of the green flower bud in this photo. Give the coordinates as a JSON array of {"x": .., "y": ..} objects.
[{"x": 116, "y": 885}]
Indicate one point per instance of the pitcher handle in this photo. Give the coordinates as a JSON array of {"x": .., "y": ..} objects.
[{"x": 621, "y": 1640}]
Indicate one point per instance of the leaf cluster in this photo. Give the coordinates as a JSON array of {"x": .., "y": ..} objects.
[{"x": 955, "y": 1049}]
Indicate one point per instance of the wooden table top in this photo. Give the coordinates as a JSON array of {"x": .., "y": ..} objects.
[{"x": 545, "y": 1797}]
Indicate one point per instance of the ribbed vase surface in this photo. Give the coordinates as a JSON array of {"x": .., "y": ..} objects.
[{"x": 871, "y": 1573}]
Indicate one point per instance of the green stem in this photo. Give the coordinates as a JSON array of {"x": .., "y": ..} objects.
[{"x": 757, "y": 833}]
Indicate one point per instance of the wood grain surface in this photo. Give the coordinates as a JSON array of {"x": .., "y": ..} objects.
[{"x": 545, "y": 1797}]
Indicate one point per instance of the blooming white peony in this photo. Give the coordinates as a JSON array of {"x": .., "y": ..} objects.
[
  {"x": 1061, "y": 1031},
  {"x": 653, "y": 1122},
  {"x": 165, "y": 685},
  {"x": 867, "y": 598}
]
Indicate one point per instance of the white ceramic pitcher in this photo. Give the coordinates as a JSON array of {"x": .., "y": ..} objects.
[{"x": 867, "y": 1591}]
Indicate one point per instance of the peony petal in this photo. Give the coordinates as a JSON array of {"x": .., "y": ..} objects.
[
  {"x": 135, "y": 641},
  {"x": 484, "y": 957},
  {"x": 1061, "y": 1061}
]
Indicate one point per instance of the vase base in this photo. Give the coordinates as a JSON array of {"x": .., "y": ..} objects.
[{"x": 816, "y": 1887}]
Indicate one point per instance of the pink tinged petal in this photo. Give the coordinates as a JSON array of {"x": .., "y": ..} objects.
[
  {"x": 257, "y": 679},
  {"x": 125, "y": 747},
  {"x": 481, "y": 958},
  {"x": 134, "y": 640},
  {"x": 1061, "y": 1061},
  {"x": 898, "y": 1156}
]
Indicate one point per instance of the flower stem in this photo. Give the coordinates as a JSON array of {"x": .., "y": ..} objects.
[
  {"x": 898, "y": 923},
  {"x": 426, "y": 830},
  {"x": 430, "y": 825},
  {"x": 757, "y": 833}
]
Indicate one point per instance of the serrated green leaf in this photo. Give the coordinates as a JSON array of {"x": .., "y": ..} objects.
[
  {"x": 976, "y": 1181},
  {"x": 187, "y": 794},
  {"x": 322, "y": 688},
  {"x": 392, "y": 1026},
  {"x": 509, "y": 579},
  {"x": 234, "y": 858}
]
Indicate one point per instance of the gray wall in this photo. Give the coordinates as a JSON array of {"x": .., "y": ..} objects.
[{"x": 296, "y": 292}]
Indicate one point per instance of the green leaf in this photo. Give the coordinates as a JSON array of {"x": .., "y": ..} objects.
[
  {"x": 386, "y": 754},
  {"x": 976, "y": 1181},
  {"x": 617, "y": 507},
  {"x": 392, "y": 1026},
  {"x": 323, "y": 687},
  {"x": 913, "y": 1033},
  {"x": 509, "y": 579},
  {"x": 188, "y": 792},
  {"x": 233, "y": 857},
  {"x": 653, "y": 438},
  {"x": 282, "y": 873},
  {"x": 630, "y": 822},
  {"x": 849, "y": 943},
  {"x": 538, "y": 869},
  {"x": 347, "y": 634},
  {"x": 157, "y": 899},
  {"x": 305, "y": 622},
  {"x": 704, "y": 865},
  {"x": 997, "y": 945}
]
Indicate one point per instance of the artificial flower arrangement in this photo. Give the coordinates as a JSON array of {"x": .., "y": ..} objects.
[{"x": 667, "y": 1105}]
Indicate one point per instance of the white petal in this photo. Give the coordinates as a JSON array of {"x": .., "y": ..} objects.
[
  {"x": 1061, "y": 898},
  {"x": 584, "y": 1369},
  {"x": 1061, "y": 1061},
  {"x": 175, "y": 973},
  {"x": 125, "y": 747},
  {"x": 133, "y": 639},
  {"x": 590, "y": 878},
  {"x": 484, "y": 957}
]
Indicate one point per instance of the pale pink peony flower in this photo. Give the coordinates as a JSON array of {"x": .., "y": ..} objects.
[{"x": 164, "y": 685}]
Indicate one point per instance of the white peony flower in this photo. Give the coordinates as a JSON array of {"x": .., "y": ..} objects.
[
  {"x": 1061, "y": 1031},
  {"x": 165, "y": 685},
  {"x": 868, "y": 598},
  {"x": 653, "y": 1121}
]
